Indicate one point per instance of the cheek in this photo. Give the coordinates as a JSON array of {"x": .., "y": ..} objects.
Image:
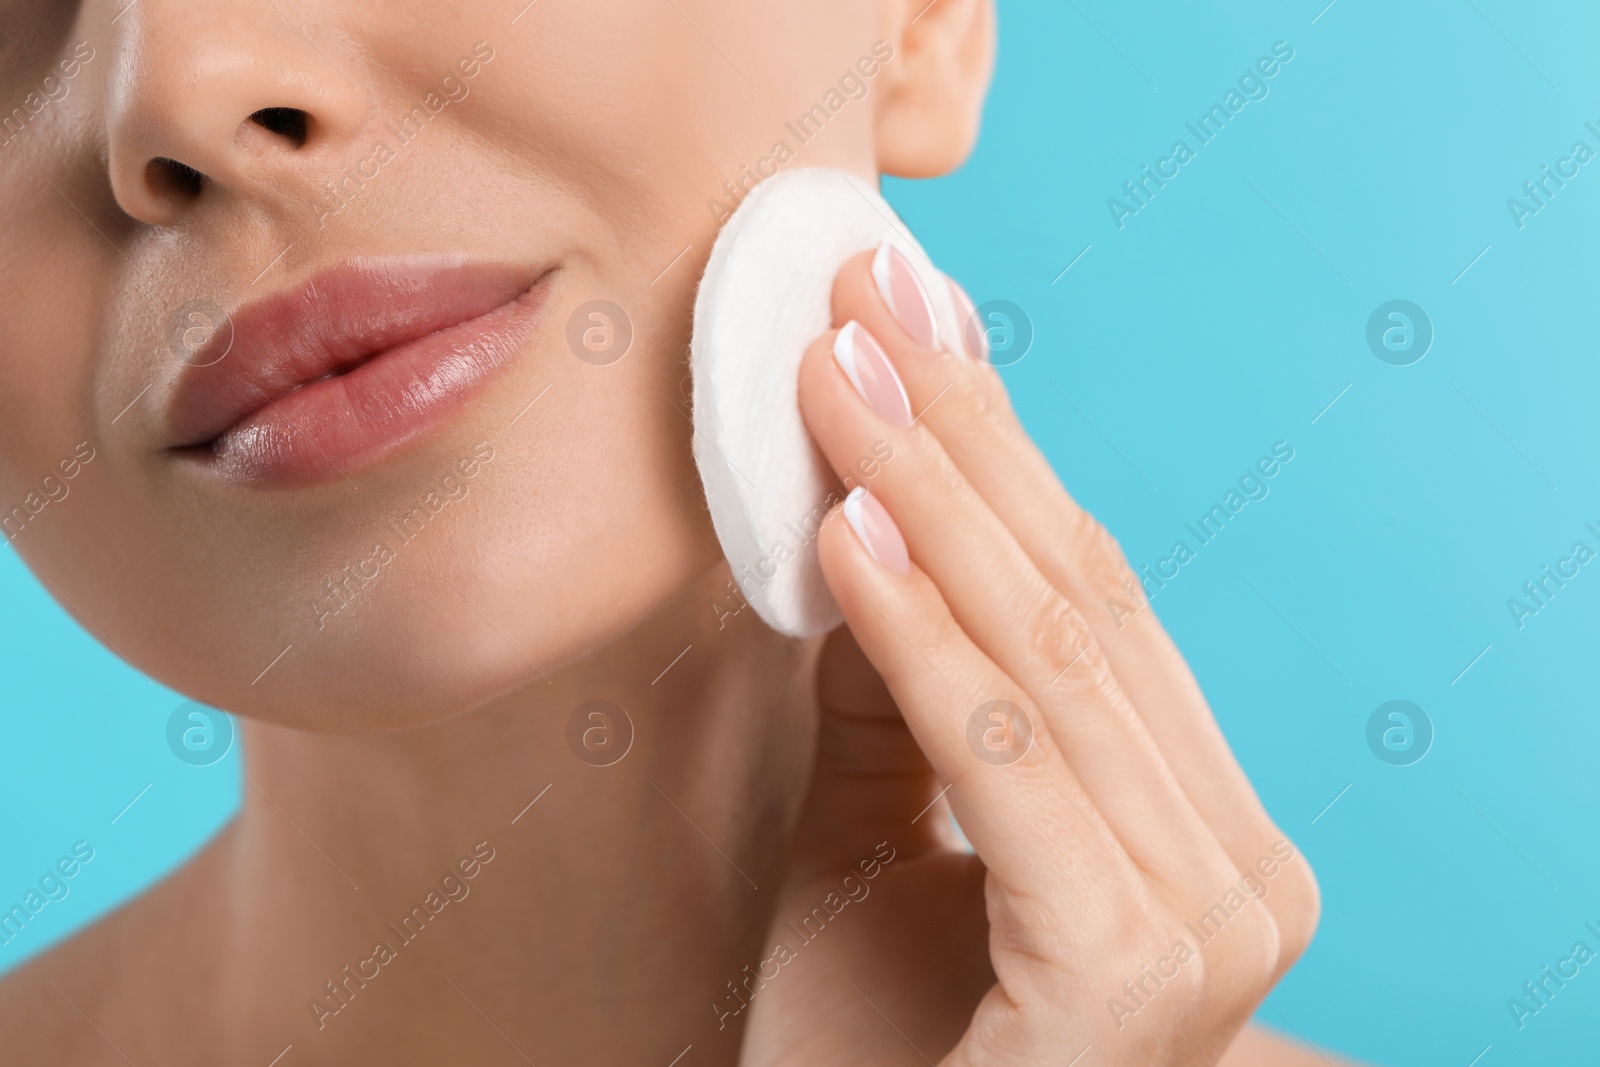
[
  {"x": 595, "y": 506},
  {"x": 53, "y": 291},
  {"x": 643, "y": 67}
]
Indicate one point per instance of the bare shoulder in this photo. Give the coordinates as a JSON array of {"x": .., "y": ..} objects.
[
  {"x": 47, "y": 1006},
  {"x": 1257, "y": 1047},
  {"x": 96, "y": 997},
  {"x": 37, "y": 1024}
]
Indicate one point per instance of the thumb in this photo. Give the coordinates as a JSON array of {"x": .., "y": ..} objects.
[{"x": 871, "y": 780}]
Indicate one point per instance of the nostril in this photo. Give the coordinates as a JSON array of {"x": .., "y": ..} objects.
[
  {"x": 171, "y": 175},
  {"x": 287, "y": 122}
]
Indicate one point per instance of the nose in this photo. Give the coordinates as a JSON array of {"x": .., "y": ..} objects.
[{"x": 220, "y": 98}]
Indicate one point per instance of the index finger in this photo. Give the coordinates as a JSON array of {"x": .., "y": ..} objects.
[{"x": 964, "y": 404}]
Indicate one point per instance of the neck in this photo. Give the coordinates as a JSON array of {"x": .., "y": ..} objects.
[{"x": 493, "y": 872}]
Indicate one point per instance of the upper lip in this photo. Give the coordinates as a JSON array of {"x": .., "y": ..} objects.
[{"x": 330, "y": 324}]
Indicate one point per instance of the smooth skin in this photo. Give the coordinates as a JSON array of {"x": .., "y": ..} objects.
[{"x": 429, "y": 716}]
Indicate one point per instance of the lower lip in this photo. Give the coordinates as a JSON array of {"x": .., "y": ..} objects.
[{"x": 338, "y": 426}]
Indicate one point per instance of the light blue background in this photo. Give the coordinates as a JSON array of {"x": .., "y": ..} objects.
[{"x": 1222, "y": 319}]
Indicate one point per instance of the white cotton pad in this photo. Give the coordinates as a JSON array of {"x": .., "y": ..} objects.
[{"x": 766, "y": 295}]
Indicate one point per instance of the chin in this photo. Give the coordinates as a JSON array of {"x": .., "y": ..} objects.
[{"x": 441, "y": 629}]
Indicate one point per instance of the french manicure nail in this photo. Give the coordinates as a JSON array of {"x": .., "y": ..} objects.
[
  {"x": 869, "y": 370},
  {"x": 902, "y": 290},
  {"x": 877, "y": 531},
  {"x": 972, "y": 333}
]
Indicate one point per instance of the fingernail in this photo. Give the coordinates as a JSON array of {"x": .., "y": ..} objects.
[
  {"x": 902, "y": 290},
  {"x": 877, "y": 531},
  {"x": 869, "y": 370},
  {"x": 972, "y": 334}
]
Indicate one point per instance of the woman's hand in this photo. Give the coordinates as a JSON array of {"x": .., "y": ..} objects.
[{"x": 1130, "y": 901}]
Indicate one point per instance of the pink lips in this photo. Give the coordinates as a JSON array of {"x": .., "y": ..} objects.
[{"x": 323, "y": 379}]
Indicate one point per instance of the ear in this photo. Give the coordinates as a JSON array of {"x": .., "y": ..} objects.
[{"x": 927, "y": 121}]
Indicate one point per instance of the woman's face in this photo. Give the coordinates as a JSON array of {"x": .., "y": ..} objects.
[{"x": 216, "y": 213}]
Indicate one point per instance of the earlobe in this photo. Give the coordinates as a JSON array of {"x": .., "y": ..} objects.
[{"x": 927, "y": 121}]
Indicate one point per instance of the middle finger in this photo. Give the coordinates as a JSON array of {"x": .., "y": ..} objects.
[{"x": 850, "y": 397}]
